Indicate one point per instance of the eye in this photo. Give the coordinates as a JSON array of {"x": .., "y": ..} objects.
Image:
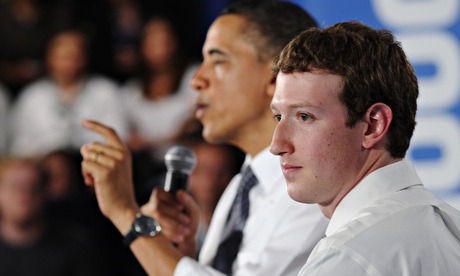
[
  {"x": 277, "y": 117},
  {"x": 217, "y": 62},
  {"x": 304, "y": 117}
]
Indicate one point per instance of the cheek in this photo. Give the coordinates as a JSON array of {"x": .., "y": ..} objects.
[
  {"x": 334, "y": 148},
  {"x": 317, "y": 148},
  {"x": 343, "y": 147},
  {"x": 324, "y": 155}
]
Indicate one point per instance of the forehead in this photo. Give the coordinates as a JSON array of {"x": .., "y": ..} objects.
[
  {"x": 18, "y": 172},
  {"x": 156, "y": 25},
  {"x": 316, "y": 88},
  {"x": 227, "y": 32},
  {"x": 66, "y": 43},
  {"x": 66, "y": 39}
]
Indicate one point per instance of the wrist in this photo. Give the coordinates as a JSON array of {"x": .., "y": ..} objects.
[
  {"x": 124, "y": 219},
  {"x": 191, "y": 251}
]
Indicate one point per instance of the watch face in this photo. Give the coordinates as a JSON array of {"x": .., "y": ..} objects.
[{"x": 146, "y": 226}]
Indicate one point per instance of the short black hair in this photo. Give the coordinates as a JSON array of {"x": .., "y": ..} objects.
[{"x": 275, "y": 23}]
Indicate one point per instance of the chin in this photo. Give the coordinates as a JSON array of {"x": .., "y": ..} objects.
[
  {"x": 209, "y": 137},
  {"x": 207, "y": 134},
  {"x": 294, "y": 194},
  {"x": 213, "y": 137},
  {"x": 299, "y": 194}
]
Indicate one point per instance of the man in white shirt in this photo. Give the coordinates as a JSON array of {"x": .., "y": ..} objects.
[
  {"x": 345, "y": 101},
  {"x": 235, "y": 86}
]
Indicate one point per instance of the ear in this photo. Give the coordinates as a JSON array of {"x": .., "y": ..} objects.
[
  {"x": 269, "y": 79},
  {"x": 271, "y": 86},
  {"x": 378, "y": 118}
]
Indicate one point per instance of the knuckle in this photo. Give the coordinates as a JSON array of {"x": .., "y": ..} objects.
[
  {"x": 93, "y": 144},
  {"x": 122, "y": 157},
  {"x": 111, "y": 131},
  {"x": 111, "y": 164}
]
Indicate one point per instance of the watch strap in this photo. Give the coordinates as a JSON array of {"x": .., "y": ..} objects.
[{"x": 130, "y": 237}]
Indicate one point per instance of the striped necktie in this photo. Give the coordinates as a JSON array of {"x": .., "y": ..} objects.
[{"x": 232, "y": 234}]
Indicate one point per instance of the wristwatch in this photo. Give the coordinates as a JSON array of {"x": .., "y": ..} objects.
[{"x": 142, "y": 226}]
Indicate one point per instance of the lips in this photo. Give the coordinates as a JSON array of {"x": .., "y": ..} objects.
[
  {"x": 289, "y": 169},
  {"x": 200, "y": 108}
]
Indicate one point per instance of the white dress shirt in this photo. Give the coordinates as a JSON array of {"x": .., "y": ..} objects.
[
  {"x": 389, "y": 224},
  {"x": 41, "y": 123},
  {"x": 279, "y": 233}
]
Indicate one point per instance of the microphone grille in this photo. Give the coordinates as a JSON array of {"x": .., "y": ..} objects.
[{"x": 180, "y": 158}]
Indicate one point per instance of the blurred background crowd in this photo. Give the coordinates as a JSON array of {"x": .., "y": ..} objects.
[{"x": 125, "y": 63}]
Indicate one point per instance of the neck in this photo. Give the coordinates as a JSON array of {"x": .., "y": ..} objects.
[
  {"x": 160, "y": 86},
  {"x": 371, "y": 164},
  {"x": 68, "y": 89}
]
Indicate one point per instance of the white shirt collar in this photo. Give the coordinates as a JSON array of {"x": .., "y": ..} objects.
[
  {"x": 382, "y": 182},
  {"x": 262, "y": 165}
]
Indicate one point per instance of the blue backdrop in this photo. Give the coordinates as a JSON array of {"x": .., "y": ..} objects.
[{"x": 430, "y": 33}]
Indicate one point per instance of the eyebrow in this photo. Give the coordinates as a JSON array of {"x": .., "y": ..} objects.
[
  {"x": 216, "y": 52},
  {"x": 296, "y": 105}
]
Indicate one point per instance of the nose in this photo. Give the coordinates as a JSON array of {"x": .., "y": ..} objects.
[
  {"x": 281, "y": 143},
  {"x": 199, "y": 82}
]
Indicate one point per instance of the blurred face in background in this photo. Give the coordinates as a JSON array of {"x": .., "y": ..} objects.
[
  {"x": 61, "y": 176},
  {"x": 21, "y": 193},
  {"x": 210, "y": 177},
  {"x": 159, "y": 44},
  {"x": 66, "y": 56}
]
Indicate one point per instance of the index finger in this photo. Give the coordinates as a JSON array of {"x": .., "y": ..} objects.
[{"x": 108, "y": 133}]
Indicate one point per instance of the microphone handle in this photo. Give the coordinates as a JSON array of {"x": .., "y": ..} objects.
[{"x": 175, "y": 181}]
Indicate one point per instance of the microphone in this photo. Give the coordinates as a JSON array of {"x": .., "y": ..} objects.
[{"x": 180, "y": 161}]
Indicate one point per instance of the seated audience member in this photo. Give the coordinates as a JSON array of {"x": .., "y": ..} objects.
[
  {"x": 30, "y": 243},
  {"x": 25, "y": 26},
  {"x": 4, "y": 112},
  {"x": 345, "y": 102},
  {"x": 159, "y": 101},
  {"x": 47, "y": 115},
  {"x": 68, "y": 200},
  {"x": 126, "y": 17},
  {"x": 64, "y": 180}
]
